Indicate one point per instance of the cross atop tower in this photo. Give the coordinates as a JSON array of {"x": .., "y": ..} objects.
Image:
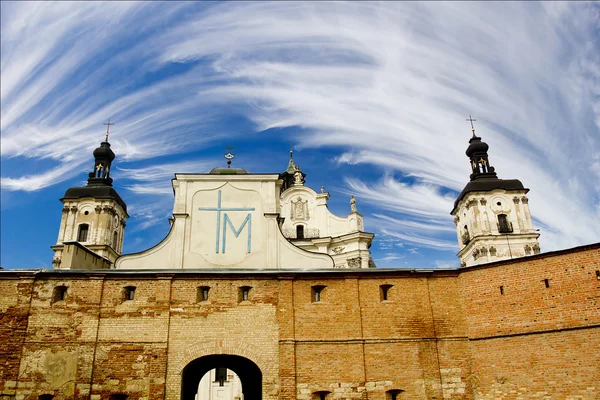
[
  {"x": 229, "y": 156},
  {"x": 470, "y": 119},
  {"x": 108, "y": 124}
]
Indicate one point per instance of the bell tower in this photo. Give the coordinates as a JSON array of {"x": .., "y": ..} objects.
[
  {"x": 93, "y": 219},
  {"x": 492, "y": 216}
]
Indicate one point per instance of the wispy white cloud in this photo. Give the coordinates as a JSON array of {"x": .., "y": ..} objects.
[{"x": 31, "y": 183}]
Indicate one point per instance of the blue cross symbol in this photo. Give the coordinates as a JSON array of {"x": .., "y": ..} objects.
[{"x": 227, "y": 221}]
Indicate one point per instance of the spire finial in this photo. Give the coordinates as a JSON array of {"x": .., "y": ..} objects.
[
  {"x": 470, "y": 119},
  {"x": 108, "y": 124},
  {"x": 229, "y": 156}
]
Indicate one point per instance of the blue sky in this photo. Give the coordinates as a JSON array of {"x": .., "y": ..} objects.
[{"x": 373, "y": 98}]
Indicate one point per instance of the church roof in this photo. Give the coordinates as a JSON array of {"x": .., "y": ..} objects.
[
  {"x": 228, "y": 171},
  {"x": 483, "y": 178},
  {"x": 487, "y": 185},
  {"x": 95, "y": 191}
]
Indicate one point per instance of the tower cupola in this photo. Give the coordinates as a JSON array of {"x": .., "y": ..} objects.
[
  {"x": 492, "y": 215},
  {"x": 480, "y": 163},
  {"x": 292, "y": 175},
  {"x": 93, "y": 222},
  {"x": 103, "y": 158}
]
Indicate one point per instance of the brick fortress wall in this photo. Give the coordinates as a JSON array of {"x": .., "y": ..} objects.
[
  {"x": 534, "y": 326},
  {"x": 440, "y": 334}
]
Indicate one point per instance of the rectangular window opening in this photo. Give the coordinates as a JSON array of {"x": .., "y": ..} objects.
[
  {"x": 547, "y": 283},
  {"x": 393, "y": 394},
  {"x": 321, "y": 395},
  {"x": 82, "y": 233},
  {"x": 245, "y": 293},
  {"x": 60, "y": 293},
  {"x": 384, "y": 292},
  {"x": 203, "y": 293},
  {"x": 317, "y": 293},
  {"x": 129, "y": 292},
  {"x": 501, "y": 289},
  {"x": 598, "y": 275}
]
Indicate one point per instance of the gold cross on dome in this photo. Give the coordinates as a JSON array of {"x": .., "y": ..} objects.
[
  {"x": 99, "y": 167},
  {"x": 481, "y": 160},
  {"x": 108, "y": 124},
  {"x": 470, "y": 119}
]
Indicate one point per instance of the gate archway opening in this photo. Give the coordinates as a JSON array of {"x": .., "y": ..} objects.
[{"x": 248, "y": 372}]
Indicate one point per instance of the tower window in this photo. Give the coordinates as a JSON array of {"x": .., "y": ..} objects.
[
  {"x": 384, "y": 291},
  {"x": 203, "y": 293},
  {"x": 504, "y": 226},
  {"x": 59, "y": 294},
  {"x": 82, "y": 233},
  {"x": 501, "y": 289},
  {"x": 129, "y": 293},
  {"x": 300, "y": 232},
  {"x": 115, "y": 239},
  {"x": 245, "y": 293},
  {"x": 317, "y": 293},
  {"x": 466, "y": 238}
]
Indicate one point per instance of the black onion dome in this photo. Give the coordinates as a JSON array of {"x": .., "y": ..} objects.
[
  {"x": 104, "y": 152},
  {"x": 476, "y": 146}
]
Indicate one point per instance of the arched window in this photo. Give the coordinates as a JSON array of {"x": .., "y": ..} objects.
[
  {"x": 466, "y": 238},
  {"x": 82, "y": 233},
  {"x": 115, "y": 240},
  {"x": 504, "y": 226},
  {"x": 300, "y": 232},
  {"x": 45, "y": 397}
]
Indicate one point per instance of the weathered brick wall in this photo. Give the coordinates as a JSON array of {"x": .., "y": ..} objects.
[
  {"x": 15, "y": 295},
  {"x": 354, "y": 344},
  {"x": 533, "y": 341},
  {"x": 224, "y": 324},
  {"x": 439, "y": 335}
]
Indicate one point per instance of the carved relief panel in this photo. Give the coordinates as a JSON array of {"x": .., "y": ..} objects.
[{"x": 299, "y": 208}]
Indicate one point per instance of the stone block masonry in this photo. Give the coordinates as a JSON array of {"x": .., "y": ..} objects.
[{"x": 516, "y": 329}]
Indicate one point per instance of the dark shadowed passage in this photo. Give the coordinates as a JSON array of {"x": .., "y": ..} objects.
[{"x": 248, "y": 372}]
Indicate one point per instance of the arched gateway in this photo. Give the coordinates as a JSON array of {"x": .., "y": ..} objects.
[{"x": 248, "y": 372}]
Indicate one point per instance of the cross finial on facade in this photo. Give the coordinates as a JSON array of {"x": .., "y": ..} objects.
[
  {"x": 470, "y": 119},
  {"x": 229, "y": 156},
  {"x": 108, "y": 124}
]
